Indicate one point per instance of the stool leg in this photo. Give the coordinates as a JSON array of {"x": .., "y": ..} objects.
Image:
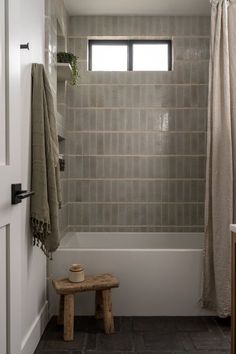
[
  {"x": 98, "y": 305},
  {"x": 60, "y": 318},
  {"x": 107, "y": 311},
  {"x": 68, "y": 317}
]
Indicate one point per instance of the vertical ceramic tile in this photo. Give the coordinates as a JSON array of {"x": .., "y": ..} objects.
[{"x": 122, "y": 106}]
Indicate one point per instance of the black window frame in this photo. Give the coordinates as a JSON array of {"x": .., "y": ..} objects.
[{"x": 129, "y": 43}]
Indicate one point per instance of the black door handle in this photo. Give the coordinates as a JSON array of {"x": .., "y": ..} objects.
[{"x": 17, "y": 194}]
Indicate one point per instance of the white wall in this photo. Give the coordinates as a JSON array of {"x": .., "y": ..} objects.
[{"x": 34, "y": 301}]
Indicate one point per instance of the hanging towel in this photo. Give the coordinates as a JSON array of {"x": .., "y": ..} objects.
[{"x": 45, "y": 181}]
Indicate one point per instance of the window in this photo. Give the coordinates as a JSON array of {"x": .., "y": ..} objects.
[{"x": 130, "y": 55}]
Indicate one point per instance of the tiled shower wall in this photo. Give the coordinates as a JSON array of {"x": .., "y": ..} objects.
[
  {"x": 137, "y": 140},
  {"x": 56, "y": 23}
]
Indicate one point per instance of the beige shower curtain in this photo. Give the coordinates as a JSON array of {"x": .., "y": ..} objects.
[{"x": 220, "y": 207}]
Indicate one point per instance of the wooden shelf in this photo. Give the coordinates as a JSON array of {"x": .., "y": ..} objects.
[{"x": 64, "y": 71}]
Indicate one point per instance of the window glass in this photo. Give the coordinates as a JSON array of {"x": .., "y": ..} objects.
[
  {"x": 130, "y": 55},
  {"x": 109, "y": 57},
  {"x": 147, "y": 57}
]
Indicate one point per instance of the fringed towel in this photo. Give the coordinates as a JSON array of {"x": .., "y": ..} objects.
[{"x": 45, "y": 165}]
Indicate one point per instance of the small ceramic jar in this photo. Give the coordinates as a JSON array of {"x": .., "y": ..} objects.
[{"x": 76, "y": 273}]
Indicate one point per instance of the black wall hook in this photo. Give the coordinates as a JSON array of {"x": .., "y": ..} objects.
[{"x": 24, "y": 46}]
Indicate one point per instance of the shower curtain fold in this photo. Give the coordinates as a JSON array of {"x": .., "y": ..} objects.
[{"x": 220, "y": 207}]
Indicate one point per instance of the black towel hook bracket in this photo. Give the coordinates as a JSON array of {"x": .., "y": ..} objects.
[{"x": 25, "y": 46}]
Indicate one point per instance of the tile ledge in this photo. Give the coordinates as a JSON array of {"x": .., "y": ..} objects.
[{"x": 233, "y": 227}]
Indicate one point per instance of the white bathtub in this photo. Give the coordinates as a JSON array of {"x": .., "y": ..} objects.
[{"x": 159, "y": 273}]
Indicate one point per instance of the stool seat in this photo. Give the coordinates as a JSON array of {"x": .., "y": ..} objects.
[
  {"x": 101, "y": 284},
  {"x": 91, "y": 283}
]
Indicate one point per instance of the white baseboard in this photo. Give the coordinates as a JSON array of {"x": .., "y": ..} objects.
[{"x": 32, "y": 338}]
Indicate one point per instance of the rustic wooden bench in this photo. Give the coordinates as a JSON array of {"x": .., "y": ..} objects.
[{"x": 102, "y": 284}]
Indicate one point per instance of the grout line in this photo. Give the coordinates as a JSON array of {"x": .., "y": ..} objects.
[
  {"x": 84, "y": 346},
  {"x": 137, "y": 155},
  {"x": 137, "y": 131},
  {"x": 117, "y": 37},
  {"x": 134, "y": 179},
  {"x": 135, "y": 108},
  {"x": 180, "y": 60},
  {"x": 64, "y": 230},
  {"x": 64, "y": 205},
  {"x": 140, "y": 85},
  {"x": 135, "y": 226},
  {"x": 191, "y": 60},
  {"x": 135, "y": 203},
  {"x": 176, "y": 61}
]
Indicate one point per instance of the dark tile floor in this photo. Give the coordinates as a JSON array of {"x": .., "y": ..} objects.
[{"x": 141, "y": 335}]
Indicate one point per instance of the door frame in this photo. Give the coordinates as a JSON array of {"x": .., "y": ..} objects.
[{"x": 14, "y": 120}]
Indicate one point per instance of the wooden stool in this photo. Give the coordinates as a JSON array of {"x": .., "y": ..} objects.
[{"x": 102, "y": 284}]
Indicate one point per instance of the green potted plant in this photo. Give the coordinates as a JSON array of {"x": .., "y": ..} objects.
[{"x": 66, "y": 57}]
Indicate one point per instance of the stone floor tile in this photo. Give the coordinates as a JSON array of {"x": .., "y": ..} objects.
[
  {"x": 56, "y": 342},
  {"x": 187, "y": 341},
  {"x": 158, "y": 352},
  {"x": 117, "y": 341},
  {"x": 159, "y": 342},
  {"x": 126, "y": 324},
  {"x": 191, "y": 324},
  {"x": 208, "y": 352},
  {"x": 209, "y": 341},
  {"x": 157, "y": 324},
  {"x": 213, "y": 326},
  {"x": 140, "y": 335},
  {"x": 101, "y": 352},
  {"x": 97, "y": 326},
  {"x": 224, "y": 325},
  {"x": 91, "y": 341},
  {"x": 54, "y": 352}
]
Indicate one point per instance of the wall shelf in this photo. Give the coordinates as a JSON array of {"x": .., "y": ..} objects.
[
  {"x": 64, "y": 71},
  {"x": 60, "y": 127}
]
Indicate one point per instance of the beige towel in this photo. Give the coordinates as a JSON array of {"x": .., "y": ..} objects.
[{"x": 45, "y": 165}]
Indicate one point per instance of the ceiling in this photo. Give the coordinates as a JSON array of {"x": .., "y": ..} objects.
[{"x": 138, "y": 7}]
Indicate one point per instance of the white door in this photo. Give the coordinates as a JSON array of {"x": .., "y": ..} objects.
[{"x": 10, "y": 172}]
